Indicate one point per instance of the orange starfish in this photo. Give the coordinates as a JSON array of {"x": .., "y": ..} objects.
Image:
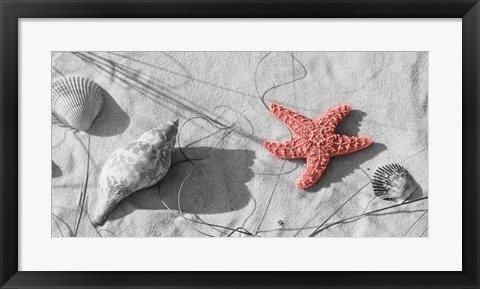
[{"x": 314, "y": 140}]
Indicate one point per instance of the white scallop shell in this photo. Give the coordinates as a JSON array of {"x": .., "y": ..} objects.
[
  {"x": 76, "y": 101},
  {"x": 393, "y": 182},
  {"x": 135, "y": 166}
]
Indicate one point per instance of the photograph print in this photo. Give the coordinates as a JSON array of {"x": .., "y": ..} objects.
[{"x": 239, "y": 144}]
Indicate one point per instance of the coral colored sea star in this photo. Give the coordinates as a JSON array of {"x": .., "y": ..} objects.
[{"x": 314, "y": 140}]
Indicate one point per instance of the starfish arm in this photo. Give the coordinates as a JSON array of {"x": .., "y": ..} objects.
[
  {"x": 342, "y": 144},
  {"x": 297, "y": 123},
  {"x": 330, "y": 119},
  {"x": 291, "y": 149},
  {"x": 317, "y": 162}
]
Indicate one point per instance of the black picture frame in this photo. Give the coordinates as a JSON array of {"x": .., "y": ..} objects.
[{"x": 11, "y": 11}]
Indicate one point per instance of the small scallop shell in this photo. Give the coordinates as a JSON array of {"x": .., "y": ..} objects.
[
  {"x": 392, "y": 182},
  {"x": 135, "y": 166},
  {"x": 76, "y": 102}
]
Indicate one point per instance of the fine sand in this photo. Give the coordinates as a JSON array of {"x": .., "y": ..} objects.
[{"x": 239, "y": 185}]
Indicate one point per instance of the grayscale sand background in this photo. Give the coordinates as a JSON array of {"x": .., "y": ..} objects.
[{"x": 240, "y": 185}]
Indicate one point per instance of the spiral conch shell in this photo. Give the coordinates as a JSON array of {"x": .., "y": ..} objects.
[
  {"x": 135, "y": 166},
  {"x": 76, "y": 102}
]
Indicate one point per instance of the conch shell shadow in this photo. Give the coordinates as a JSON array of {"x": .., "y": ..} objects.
[{"x": 217, "y": 185}]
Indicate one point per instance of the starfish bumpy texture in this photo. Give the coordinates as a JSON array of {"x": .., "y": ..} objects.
[{"x": 314, "y": 140}]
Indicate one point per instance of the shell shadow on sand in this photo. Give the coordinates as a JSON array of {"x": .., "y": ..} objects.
[
  {"x": 112, "y": 119},
  {"x": 418, "y": 192},
  {"x": 217, "y": 184},
  {"x": 56, "y": 171}
]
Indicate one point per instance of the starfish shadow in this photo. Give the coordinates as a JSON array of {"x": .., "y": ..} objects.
[
  {"x": 341, "y": 166},
  {"x": 350, "y": 125}
]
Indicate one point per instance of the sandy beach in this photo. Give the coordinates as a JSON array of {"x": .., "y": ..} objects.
[{"x": 232, "y": 186}]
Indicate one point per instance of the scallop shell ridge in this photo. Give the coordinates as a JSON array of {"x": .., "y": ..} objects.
[
  {"x": 76, "y": 101},
  {"x": 392, "y": 182}
]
